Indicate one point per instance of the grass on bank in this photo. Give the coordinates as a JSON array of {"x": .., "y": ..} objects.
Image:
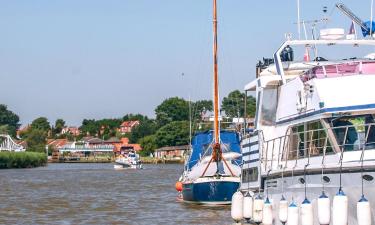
[{"x": 10, "y": 160}]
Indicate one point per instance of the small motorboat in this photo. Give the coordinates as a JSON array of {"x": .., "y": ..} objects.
[{"x": 128, "y": 159}]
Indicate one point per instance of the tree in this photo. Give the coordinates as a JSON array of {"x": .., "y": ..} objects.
[
  {"x": 9, "y": 119},
  {"x": 145, "y": 128},
  {"x": 233, "y": 104},
  {"x": 59, "y": 125},
  {"x": 172, "y": 109},
  {"x": 36, "y": 140},
  {"x": 148, "y": 145},
  {"x": 200, "y": 108},
  {"x": 89, "y": 127},
  {"x": 40, "y": 123},
  {"x": 131, "y": 116},
  {"x": 173, "y": 134}
]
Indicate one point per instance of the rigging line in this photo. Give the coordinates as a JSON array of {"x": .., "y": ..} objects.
[{"x": 372, "y": 5}]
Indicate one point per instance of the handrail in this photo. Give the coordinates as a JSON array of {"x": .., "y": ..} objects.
[{"x": 317, "y": 144}]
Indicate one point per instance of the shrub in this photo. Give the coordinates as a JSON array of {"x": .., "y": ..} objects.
[{"x": 10, "y": 160}]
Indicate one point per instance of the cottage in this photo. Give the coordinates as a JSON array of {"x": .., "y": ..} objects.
[{"x": 127, "y": 126}]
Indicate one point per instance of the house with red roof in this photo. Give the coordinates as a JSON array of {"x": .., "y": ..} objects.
[
  {"x": 127, "y": 126},
  {"x": 72, "y": 130}
]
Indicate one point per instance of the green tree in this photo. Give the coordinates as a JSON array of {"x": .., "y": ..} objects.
[
  {"x": 145, "y": 128},
  {"x": 200, "y": 108},
  {"x": 173, "y": 134},
  {"x": 148, "y": 145},
  {"x": 131, "y": 116},
  {"x": 40, "y": 123},
  {"x": 172, "y": 109},
  {"x": 36, "y": 140},
  {"x": 234, "y": 104},
  {"x": 59, "y": 125},
  {"x": 10, "y": 119},
  {"x": 89, "y": 127}
]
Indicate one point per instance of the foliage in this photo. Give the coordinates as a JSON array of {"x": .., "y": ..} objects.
[
  {"x": 173, "y": 134},
  {"x": 201, "y": 107},
  {"x": 145, "y": 128},
  {"x": 36, "y": 140},
  {"x": 148, "y": 145},
  {"x": 59, "y": 125},
  {"x": 22, "y": 160},
  {"x": 129, "y": 117},
  {"x": 10, "y": 119},
  {"x": 40, "y": 123},
  {"x": 104, "y": 128},
  {"x": 233, "y": 104},
  {"x": 172, "y": 109}
]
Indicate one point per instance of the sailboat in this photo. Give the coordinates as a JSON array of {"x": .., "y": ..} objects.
[{"x": 212, "y": 171}]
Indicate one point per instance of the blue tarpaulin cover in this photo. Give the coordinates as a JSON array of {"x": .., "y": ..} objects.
[{"x": 201, "y": 142}]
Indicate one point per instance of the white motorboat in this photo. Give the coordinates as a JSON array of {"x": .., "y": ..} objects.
[{"x": 128, "y": 160}]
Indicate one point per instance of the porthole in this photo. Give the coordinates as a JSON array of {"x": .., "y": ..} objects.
[
  {"x": 326, "y": 179},
  {"x": 367, "y": 177}
]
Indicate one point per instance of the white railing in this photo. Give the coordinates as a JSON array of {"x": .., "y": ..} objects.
[{"x": 278, "y": 152}]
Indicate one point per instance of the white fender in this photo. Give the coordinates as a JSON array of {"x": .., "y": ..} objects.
[
  {"x": 258, "y": 209},
  {"x": 248, "y": 206},
  {"x": 307, "y": 214},
  {"x": 267, "y": 213},
  {"x": 324, "y": 209},
  {"x": 340, "y": 209},
  {"x": 237, "y": 206},
  {"x": 292, "y": 214},
  {"x": 363, "y": 211},
  {"x": 283, "y": 210}
]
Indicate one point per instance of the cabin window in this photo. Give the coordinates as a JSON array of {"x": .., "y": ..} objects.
[
  {"x": 308, "y": 139},
  {"x": 269, "y": 106},
  {"x": 250, "y": 175},
  {"x": 354, "y": 132}
]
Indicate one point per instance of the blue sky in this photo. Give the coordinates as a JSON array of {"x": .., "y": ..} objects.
[{"x": 102, "y": 59}]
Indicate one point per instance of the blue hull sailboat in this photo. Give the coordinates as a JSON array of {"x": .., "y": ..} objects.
[
  {"x": 212, "y": 172},
  {"x": 212, "y": 182}
]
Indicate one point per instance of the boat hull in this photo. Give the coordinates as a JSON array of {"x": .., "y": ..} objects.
[
  {"x": 294, "y": 188},
  {"x": 210, "y": 191}
]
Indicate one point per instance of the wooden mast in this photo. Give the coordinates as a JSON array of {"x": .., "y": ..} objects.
[
  {"x": 216, "y": 148},
  {"x": 216, "y": 81}
]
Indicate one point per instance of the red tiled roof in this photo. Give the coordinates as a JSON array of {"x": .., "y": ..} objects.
[{"x": 130, "y": 123}]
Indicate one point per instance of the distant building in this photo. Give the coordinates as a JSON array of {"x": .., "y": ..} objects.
[
  {"x": 127, "y": 126},
  {"x": 57, "y": 143},
  {"x": 171, "y": 152},
  {"x": 72, "y": 130}
]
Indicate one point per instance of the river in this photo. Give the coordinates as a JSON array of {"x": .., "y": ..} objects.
[{"x": 98, "y": 194}]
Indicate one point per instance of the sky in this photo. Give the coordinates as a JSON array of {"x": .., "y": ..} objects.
[{"x": 103, "y": 59}]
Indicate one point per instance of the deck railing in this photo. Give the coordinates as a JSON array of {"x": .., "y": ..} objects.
[{"x": 276, "y": 153}]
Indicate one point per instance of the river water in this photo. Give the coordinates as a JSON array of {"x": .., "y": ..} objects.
[{"x": 98, "y": 194}]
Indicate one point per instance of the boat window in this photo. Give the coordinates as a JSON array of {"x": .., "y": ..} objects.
[
  {"x": 308, "y": 139},
  {"x": 354, "y": 132},
  {"x": 269, "y": 105},
  {"x": 250, "y": 175}
]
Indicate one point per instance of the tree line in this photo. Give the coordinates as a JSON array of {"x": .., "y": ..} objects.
[{"x": 170, "y": 127}]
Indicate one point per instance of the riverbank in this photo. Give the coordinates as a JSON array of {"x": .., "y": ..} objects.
[
  {"x": 145, "y": 160},
  {"x": 9, "y": 160}
]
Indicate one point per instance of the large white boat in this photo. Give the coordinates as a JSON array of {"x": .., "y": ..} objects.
[{"x": 311, "y": 156}]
